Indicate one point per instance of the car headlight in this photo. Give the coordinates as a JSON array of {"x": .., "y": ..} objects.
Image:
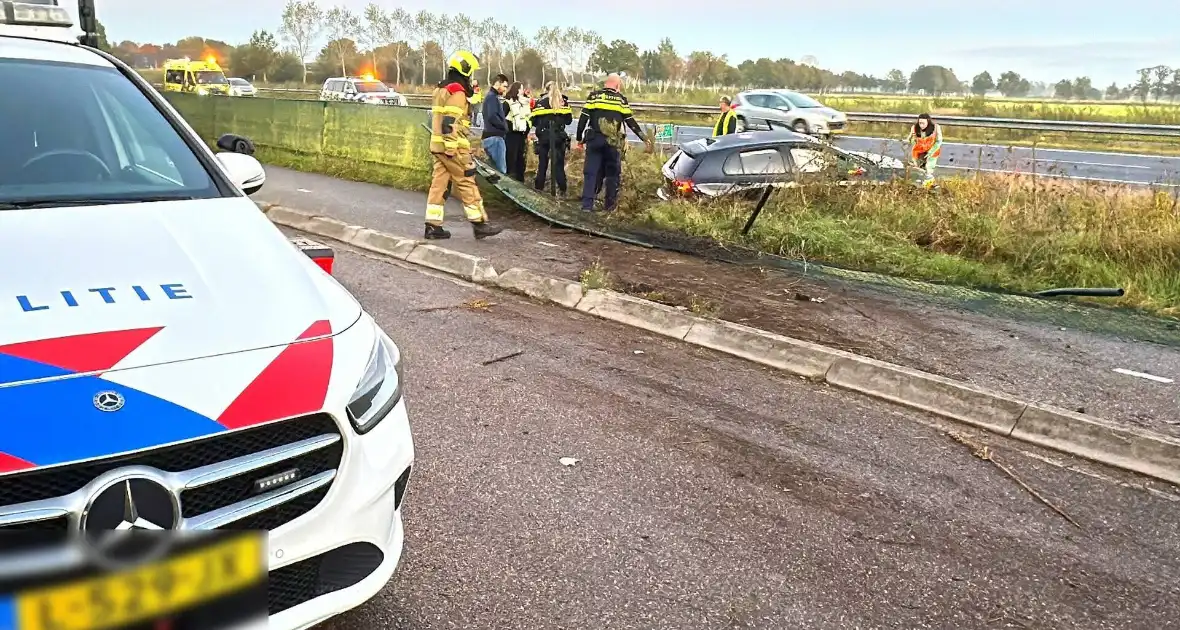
[{"x": 380, "y": 388}]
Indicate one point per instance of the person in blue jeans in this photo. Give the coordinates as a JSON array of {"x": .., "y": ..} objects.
[{"x": 495, "y": 124}]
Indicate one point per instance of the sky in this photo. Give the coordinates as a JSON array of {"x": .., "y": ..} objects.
[{"x": 1054, "y": 39}]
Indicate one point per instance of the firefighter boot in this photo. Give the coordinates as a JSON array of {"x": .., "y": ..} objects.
[
  {"x": 483, "y": 229},
  {"x": 436, "y": 232}
]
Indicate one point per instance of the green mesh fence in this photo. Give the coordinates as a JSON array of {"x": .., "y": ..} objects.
[
  {"x": 394, "y": 136},
  {"x": 381, "y": 135}
]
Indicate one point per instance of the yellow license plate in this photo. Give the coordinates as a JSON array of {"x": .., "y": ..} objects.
[{"x": 145, "y": 592}]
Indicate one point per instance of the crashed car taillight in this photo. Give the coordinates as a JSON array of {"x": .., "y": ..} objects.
[{"x": 683, "y": 187}]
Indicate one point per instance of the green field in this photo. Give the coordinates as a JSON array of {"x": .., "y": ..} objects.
[{"x": 1002, "y": 232}]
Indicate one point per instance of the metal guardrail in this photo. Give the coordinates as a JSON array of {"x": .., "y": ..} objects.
[{"x": 1062, "y": 126}]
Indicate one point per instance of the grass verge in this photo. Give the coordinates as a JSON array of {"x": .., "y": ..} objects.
[
  {"x": 989, "y": 231},
  {"x": 1000, "y": 232}
]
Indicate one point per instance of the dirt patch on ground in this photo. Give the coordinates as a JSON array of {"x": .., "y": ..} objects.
[{"x": 1044, "y": 364}]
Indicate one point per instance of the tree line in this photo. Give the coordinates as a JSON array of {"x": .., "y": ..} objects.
[{"x": 411, "y": 48}]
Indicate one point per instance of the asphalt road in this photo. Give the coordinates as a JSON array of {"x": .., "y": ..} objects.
[
  {"x": 958, "y": 158},
  {"x": 710, "y": 493}
]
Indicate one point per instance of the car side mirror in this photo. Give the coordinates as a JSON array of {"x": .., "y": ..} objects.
[
  {"x": 245, "y": 171},
  {"x": 234, "y": 143}
]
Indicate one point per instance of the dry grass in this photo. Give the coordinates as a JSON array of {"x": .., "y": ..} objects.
[{"x": 1005, "y": 232}]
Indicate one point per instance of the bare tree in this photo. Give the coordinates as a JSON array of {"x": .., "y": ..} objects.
[
  {"x": 302, "y": 25},
  {"x": 514, "y": 42},
  {"x": 491, "y": 34},
  {"x": 548, "y": 41},
  {"x": 376, "y": 31},
  {"x": 448, "y": 36},
  {"x": 399, "y": 21},
  {"x": 424, "y": 28},
  {"x": 580, "y": 46},
  {"x": 342, "y": 24}
]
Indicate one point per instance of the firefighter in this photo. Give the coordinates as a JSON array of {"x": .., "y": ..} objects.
[
  {"x": 550, "y": 124},
  {"x": 451, "y": 150},
  {"x": 727, "y": 123},
  {"x": 926, "y": 145},
  {"x": 601, "y": 134}
]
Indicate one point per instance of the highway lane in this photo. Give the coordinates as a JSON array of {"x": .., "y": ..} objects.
[
  {"x": 710, "y": 493},
  {"x": 960, "y": 158}
]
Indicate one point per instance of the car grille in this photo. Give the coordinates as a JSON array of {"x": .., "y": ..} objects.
[{"x": 214, "y": 476}]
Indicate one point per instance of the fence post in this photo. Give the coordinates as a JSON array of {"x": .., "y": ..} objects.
[
  {"x": 757, "y": 209},
  {"x": 323, "y": 126}
]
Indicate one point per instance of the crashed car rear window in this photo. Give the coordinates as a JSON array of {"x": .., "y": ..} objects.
[{"x": 684, "y": 166}]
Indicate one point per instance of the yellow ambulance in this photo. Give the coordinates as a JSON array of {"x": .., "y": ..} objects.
[{"x": 203, "y": 77}]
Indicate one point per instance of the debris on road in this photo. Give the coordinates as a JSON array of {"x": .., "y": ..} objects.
[
  {"x": 405, "y": 212},
  {"x": 503, "y": 358},
  {"x": 638, "y": 351},
  {"x": 1150, "y": 377},
  {"x": 478, "y": 304},
  {"x": 547, "y": 244},
  {"x": 302, "y": 190},
  {"x": 984, "y": 452},
  {"x": 568, "y": 461},
  {"x": 474, "y": 305},
  {"x": 803, "y": 297}
]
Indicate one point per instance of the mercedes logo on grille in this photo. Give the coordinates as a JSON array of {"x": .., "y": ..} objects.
[
  {"x": 108, "y": 401},
  {"x": 128, "y": 521}
]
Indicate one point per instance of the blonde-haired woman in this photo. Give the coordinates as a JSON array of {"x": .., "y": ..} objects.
[{"x": 551, "y": 119}]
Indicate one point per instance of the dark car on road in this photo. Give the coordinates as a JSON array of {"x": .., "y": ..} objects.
[{"x": 751, "y": 161}]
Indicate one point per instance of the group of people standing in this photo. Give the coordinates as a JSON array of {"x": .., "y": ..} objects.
[{"x": 511, "y": 115}]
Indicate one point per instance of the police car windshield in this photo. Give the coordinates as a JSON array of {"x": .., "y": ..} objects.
[
  {"x": 78, "y": 132},
  {"x": 208, "y": 77},
  {"x": 365, "y": 87}
]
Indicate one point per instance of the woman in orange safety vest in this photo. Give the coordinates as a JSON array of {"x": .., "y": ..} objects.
[{"x": 926, "y": 143}]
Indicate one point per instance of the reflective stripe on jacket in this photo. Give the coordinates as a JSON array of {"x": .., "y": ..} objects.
[
  {"x": 449, "y": 106},
  {"x": 930, "y": 146}
]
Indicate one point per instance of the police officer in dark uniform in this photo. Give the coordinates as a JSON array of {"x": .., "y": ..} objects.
[
  {"x": 550, "y": 123},
  {"x": 600, "y": 131}
]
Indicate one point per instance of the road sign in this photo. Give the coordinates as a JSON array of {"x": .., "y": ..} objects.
[{"x": 665, "y": 132}]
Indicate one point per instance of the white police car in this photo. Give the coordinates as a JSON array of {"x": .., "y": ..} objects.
[
  {"x": 366, "y": 89},
  {"x": 168, "y": 360}
]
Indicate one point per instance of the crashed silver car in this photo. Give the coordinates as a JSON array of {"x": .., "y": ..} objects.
[{"x": 753, "y": 160}]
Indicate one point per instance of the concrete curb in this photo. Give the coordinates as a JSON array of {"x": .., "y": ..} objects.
[
  {"x": 934, "y": 394},
  {"x": 1095, "y": 439},
  {"x": 534, "y": 285},
  {"x": 637, "y": 312}
]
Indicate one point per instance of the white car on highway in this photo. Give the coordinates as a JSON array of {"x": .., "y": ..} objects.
[
  {"x": 763, "y": 109},
  {"x": 168, "y": 359},
  {"x": 241, "y": 87},
  {"x": 366, "y": 90}
]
